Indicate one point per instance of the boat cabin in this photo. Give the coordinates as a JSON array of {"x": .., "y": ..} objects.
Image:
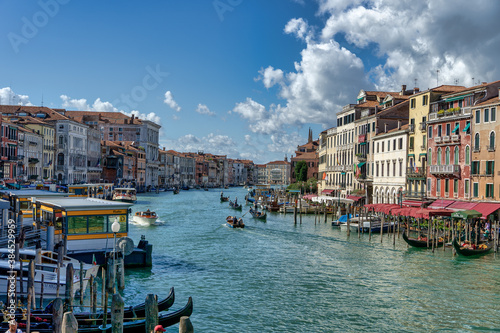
[
  {"x": 101, "y": 190},
  {"x": 83, "y": 223},
  {"x": 21, "y": 201}
]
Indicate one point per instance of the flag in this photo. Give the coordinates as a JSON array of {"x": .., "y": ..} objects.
[
  {"x": 338, "y": 163},
  {"x": 50, "y": 163},
  {"x": 324, "y": 176},
  {"x": 98, "y": 163},
  {"x": 94, "y": 262}
]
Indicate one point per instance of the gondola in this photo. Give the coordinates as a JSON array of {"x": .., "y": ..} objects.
[
  {"x": 224, "y": 199},
  {"x": 176, "y": 191},
  {"x": 239, "y": 223},
  {"x": 234, "y": 205},
  {"x": 472, "y": 252},
  {"x": 421, "y": 243},
  {"x": 167, "y": 319},
  {"x": 258, "y": 215}
]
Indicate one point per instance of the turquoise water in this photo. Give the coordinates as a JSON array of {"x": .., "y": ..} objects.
[{"x": 275, "y": 276}]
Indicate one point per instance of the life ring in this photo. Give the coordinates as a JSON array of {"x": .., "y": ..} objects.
[{"x": 106, "y": 187}]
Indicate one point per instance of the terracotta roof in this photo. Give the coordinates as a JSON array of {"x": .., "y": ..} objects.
[
  {"x": 278, "y": 162},
  {"x": 107, "y": 117},
  {"x": 472, "y": 88},
  {"x": 381, "y": 94},
  {"x": 33, "y": 110},
  {"x": 491, "y": 101},
  {"x": 368, "y": 104},
  {"x": 305, "y": 156}
]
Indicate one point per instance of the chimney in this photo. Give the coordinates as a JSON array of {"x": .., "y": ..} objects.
[
  {"x": 385, "y": 127},
  {"x": 376, "y": 109},
  {"x": 399, "y": 124},
  {"x": 416, "y": 90},
  {"x": 125, "y": 121},
  {"x": 403, "y": 89},
  {"x": 132, "y": 119}
]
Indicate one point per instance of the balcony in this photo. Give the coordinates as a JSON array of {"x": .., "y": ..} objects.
[
  {"x": 60, "y": 167},
  {"x": 476, "y": 149},
  {"x": 437, "y": 139},
  {"x": 361, "y": 157},
  {"x": 446, "y": 139},
  {"x": 455, "y": 112},
  {"x": 423, "y": 126},
  {"x": 412, "y": 172},
  {"x": 490, "y": 147},
  {"x": 411, "y": 128},
  {"x": 423, "y": 147},
  {"x": 445, "y": 170},
  {"x": 455, "y": 138},
  {"x": 33, "y": 160},
  {"x": 414, "y": 195}
]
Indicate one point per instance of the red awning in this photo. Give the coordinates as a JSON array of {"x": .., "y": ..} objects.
[
  {"x": 440, "y": 204},
  {"x": 412, "y": 203},
  {"x": 486, "y": 208},
  {"x": 327, "y": 191},
  {"x": 353, "y": 197},
  {"x": 309, "y": 196},
  {"x": 425, "y": 213},
  {"x": 462, "y": 205}
]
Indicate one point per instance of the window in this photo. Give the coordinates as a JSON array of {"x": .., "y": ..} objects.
[
  {"x": 493, "y": 114},
  {"x": 448, "y": 129},
  {"x": 411, "y": 142},
  {"x": 489, "y": 190},
  {"x": 476, "y": 142},
  {"x": 388, "y": 170},
  {"x": 394, "y": 168},
  {"x": 424, "y": 142},
  {"x": 467, "y": 155},
  {"x": 429, "y": 156},
  {"x": 429, "y": 132},
  {"x": 383, "y": 143},
  {"x": 412, "y": 103},
  {"x": 425, "y": 100},
  {"x": 478, "y": 116},
  {"x": 377, "y": 170},
  {"x": 388, "y": 145},
  {"x": 394, "y": 144},
  {"x": 492, "y": 141},
  {"x": 77, "y": 225},
  {"x": 446, "y": 186},
  {"x": 438, "y": 187},
  {"x": 475, "y": 189},
  {"x": 439, "y": 130},
  {"x": 400, "y": 169},
  {"x": 373, "y": 127},
  {"x": 447, "y": 156},
  {"x": 429, "y": 182},
  {"x": 382, "y": 170},
  {"x": 455, "y": 156},
  {"x": 401, "y": 143},
  {"x": 466, "y": 187},
  {"x": 490, "y": 168},
  {"x": 486, "y": 115},
  {"x": 475, "y": 167},
  {"x": 439, "y": 157},
  {"x": 455, "y": 186},
  {"x": 467, "y": 127},
  {"x": 97, "y": 224}
]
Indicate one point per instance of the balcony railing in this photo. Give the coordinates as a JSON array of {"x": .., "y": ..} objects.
[
  {"x": 446, "y": 138},
  {"x": 412, "y": 172},
  {"x": 455, "y": 138},
  {"x": 450, "y": 169},
  {"x": 437, "y": 139},
  {"x": 490, "y": 147},
  {"x": 476, "y": 149},
  {"x": 59, "y": 167},
  {"x": 361, "y": 156},
  {"x": 414, "y": 195},
  {"x": 423, "y": 126},
  {"x": 465, "y": 111},
  {"x": 411, "y": 128}
]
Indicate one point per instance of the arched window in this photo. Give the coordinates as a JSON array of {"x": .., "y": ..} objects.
[
  {"x": 492, "y": 141},
  {"x": 429, "y": 156},
  {"x": 455, "y": 156},
  {"x": 467, "y": 155},
  {"x": 476, "y": 142},
  {"x": 60, "y": 159},
  {"x": 439, "y": 157},
  {"x": 447, "y": 156}
]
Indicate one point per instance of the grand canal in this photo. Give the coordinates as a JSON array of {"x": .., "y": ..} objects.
[{"x": 275, "y": 276}]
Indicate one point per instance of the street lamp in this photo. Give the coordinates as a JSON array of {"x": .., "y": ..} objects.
[{"x": 115, "y": 227}]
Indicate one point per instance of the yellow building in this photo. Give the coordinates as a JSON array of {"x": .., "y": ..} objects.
[{"x": 420, "y": 104}]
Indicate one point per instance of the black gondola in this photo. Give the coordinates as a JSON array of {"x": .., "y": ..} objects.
[
  {"x": 176, "y": 191},
  {"x": 472, "y": 252},
  {"x": 224, "y": 199},
  {"x": 258, "y": 215},
  {"x": 235, "y": 205},
  {"x": 421, "y": 243}
]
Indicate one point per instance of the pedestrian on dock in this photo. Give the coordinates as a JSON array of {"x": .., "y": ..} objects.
[
  {"x": 159, "y": 328},
  {"x": 13, "y": 327}
]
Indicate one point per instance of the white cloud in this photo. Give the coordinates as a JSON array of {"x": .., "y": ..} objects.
[
  {"x": 203, "y": 109},
  {"x": 9, "y": 97},
  {"x": 270, "y": 76},
  {"x": 300, "y": 29},
  {"x": 212, "y": 143},
  {"x": 169, "y": 100},
  {"x": 101, "y": 106}
]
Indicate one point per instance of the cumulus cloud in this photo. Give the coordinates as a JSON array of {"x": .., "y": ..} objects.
[
  {"x": 203, "y": 109},
  {"x": 102, "y": 106},
  {"x": 169, "y": 100},
  {"x": 299, "y": 28},
  {"x": 9, "y": 97},
  {"x": 212, "y": 143},
  {"x": 270, "y": 76}
]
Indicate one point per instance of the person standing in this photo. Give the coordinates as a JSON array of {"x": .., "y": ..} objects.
[{"x": 13, "y": 327}]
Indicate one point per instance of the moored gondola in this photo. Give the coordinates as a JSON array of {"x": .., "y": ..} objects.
[
  {"x": 472, "y": 250},
  {"x": 258, "y": 215},
  {"x": 422, "y": 242}
]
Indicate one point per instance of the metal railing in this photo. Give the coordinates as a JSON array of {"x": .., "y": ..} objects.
[{"x": 449, "y": 169}]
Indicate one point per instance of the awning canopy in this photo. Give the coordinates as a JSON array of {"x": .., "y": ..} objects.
[
  {"x": 412, "y": 203},
  {"x": 487, "y": 208},
  {"x": 361, "y": 164},
  {"x": 466, "y": 214},
  {"x": 456, "y": 128},
  {"x": 462, "y": 205},
  {"x": 440, "y": 204},
  {"x": 466, "y": 128},
  {"x": 353, "y": 197},
  {"x": 411, "y": 155},
  {"x": 327, "y": 191},
  {"x": 309, "y": 196},
  {"x": 456, "y": 98}
]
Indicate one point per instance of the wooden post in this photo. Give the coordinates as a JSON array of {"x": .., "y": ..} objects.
[
  {"x": 151, "y": 312},
  {"x": 185, "y": 325},
  {"x": 294, "y": 214},
  {"x": 41, "y": 291},
  {"x": 300, "y": 210},
  {"x": 348, "y": 225},
  {"x": 31, "y": 283},
  {"x": 81, "y": 282},
  {"x": 369, "y": 232},
  {"x": 475, "y": 231},
  {"x": 94, "y": 297},
  {"x": 91, "y": 291},
  {"x": 21, "y": 275},
  {"x": 120, "y": 281},
  {"x": 68, "y": 293},
  {"x": 103, "y": 272},
  {"x": 69, "y": 323},
  {"x": 394, "y": 231},
  {"x": 59, "y": 265},
  {"x": 382, "y": 228},
  {"x": 57, "y": 315},
  {"x": 117, "y": 314},
  {"x": 325, "y": 214},
  {"x": 428, "y": 231}
]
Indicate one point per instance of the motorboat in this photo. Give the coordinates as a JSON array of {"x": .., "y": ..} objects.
[{"x": 145, "y": 217}]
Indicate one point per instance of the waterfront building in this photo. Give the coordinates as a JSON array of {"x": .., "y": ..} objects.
[
  {"x": 30, "y": 152},
  {"x": 278, "y": 172},
  {"x": 485, "y": 129},
  {"x": 322, "y": 161},
  {"x": 9, "y": 156},
  {"x": 119, "y": 160},
  {"x": 187, "y": 166},
  {"x": 389, "y": 160},
  {"x": 261, "y": 173},
  {"x": 94, "y": 158},
  {"x": 307, "y": 153},
  {"x": 450, "y": 140},
  {"x": 420, "y": 104}
]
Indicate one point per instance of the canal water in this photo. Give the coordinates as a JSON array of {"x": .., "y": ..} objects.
[{"x": 275, "y": 276}]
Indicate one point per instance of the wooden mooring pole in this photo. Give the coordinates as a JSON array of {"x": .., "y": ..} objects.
[
  {"x": 151, "y": 312},
  {"x": 117, "y": 314}
]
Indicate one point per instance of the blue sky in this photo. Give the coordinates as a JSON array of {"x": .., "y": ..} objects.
[{"x": 237, "y": 77}]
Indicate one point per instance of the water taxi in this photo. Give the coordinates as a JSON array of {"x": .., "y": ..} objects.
[
  {"x": 147, "y": 217},
  {"x": 125, "y": 194},
  {"x": 100, "y": 190}
]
